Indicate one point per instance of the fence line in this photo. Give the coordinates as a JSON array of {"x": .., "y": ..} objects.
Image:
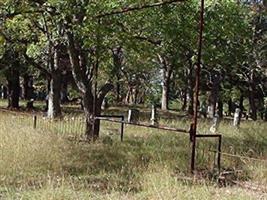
[{"x": 233, "y": 155}]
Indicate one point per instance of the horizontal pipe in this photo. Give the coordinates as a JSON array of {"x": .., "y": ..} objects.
[
  {"x": 209, "y": 135},
  {"x": 112, "y": 116},
  {"x": 143, "y": 125}
]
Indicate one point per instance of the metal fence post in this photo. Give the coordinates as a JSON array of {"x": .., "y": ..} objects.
[
  {"x": 34, "y": 121},
  {"x": 122, "y": 128},
  {"x": 219, "y": 153}
]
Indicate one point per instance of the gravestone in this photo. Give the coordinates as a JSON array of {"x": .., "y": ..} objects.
[
  {"x": 3, "y": 92},
  {"x": 215, "y": 124},
  {"x": 104, "y": 105},
  {"x": 210, "y": 111},
  {"x": 133, "y": 116},
  {"x": 237, "y": 117},
  {"x": 154, "y": 121}
]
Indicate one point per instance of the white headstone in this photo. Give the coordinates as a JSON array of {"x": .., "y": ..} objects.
[
  {"x": 215, "y": 124},
  {"x": 210, "y": 111},
  {"x": 237, "y": 117},
  {"x": 154, "y": 121},
  {"x": 133, "y": 115}
]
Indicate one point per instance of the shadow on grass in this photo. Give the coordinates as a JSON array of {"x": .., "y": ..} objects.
[
  {"x": 110, "y": 165},
  {"x": 243, "y": 152},
  {"x": 121, "y": 166}
]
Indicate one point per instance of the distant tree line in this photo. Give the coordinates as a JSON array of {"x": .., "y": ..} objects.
[{"x": 141, "y": 52}]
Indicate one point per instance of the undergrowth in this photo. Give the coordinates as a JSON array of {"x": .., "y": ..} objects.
[{"x": 44, "y": 163}]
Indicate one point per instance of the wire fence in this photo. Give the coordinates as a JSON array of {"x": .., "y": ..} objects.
[
  {"x": 75, "y": 126},
  {"x": 68, "y": 125}
]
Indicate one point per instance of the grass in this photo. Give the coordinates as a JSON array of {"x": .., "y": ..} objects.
[{"x": 44, "y": 164}]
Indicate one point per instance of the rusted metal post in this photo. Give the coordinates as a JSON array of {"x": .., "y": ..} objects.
[
  {"x": 197, "y": 86},
  {"x": 34, "y": 121},
  {"x": 110, "y": 118},
  {"x": 219, "y": 153},
  {"x": 122, "y": 128}
]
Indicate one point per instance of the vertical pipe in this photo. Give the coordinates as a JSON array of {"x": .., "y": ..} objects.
[
  {"x": 34, "y": 121},
  {"x": 193, "y": 154},
  {"x": 122, "y": 128},
  {"x": 219, "y": 153},
  {"x": 197, "y": 84}
]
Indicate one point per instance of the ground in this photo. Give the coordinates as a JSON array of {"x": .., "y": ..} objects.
[{"x": 53, "y": 162}]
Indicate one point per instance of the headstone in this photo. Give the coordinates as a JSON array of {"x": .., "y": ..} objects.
[
  {"x": 210, "y": 111},
  {"x": 237, "y": 117},
  {"x": 215, "y": 124},
  {"x": 3, "y": 92},
  {"x": 104, "y": 105},
  {"x": 133, "y": 115},
  {"x": 154, "y": 121}
]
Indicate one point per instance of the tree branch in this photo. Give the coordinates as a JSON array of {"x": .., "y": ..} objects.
[
  {"x": 140, "y": 37},
  {"x": 103, "y": 92},
  {"x": 138, "y": 8},
  {"x": 78, "y": 75},
  {"x": 36, "y": 65},
  {"x": 12, "y": 40}
]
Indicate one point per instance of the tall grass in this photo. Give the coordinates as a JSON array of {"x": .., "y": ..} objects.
[{"x": 43, "y": 163}]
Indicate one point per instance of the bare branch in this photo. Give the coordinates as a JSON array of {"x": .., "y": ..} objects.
[
  {"x": 138, "y": 8},
  {"x": 79, "y": 76},
  {"x": 103, "y": 92},
  {"x": 36, "y": 65}
]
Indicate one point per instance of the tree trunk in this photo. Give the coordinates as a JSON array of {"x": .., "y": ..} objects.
[
  {"x": 79, "y": 64},
  {"x": 118, "y": 89},
  {"x": 261, "y": 107},
  {"x": 92, "y": 124},
  {"x": 88, "y": 106},
  {"x": 220, "y": 108},
  {"x": 253, "y": 107},
  {"x": 230, "y": 109},
  {"x": 214, "y": 95},
  {"x": 13, "y": 89},
  {"x": 24, "y": 92},
  {"x": 64, "y": 90},
  {"x": 241, "y": 106},
  {"x": 184, "y": 100},
  {"x": 27, "y": 90},
  {"x": 165, "y": 95},
  {"x": 166, "y": 76},
  {"x": 48, "y": 83},
  {"x": 54, "y": 109},
  {"x": 252, "y": 103},
  {"x": 265, "y": 114},
  {"x": 118, "y": 63}
]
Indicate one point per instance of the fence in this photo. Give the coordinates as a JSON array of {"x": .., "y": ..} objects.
[{"x": 75, "y": 126}]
